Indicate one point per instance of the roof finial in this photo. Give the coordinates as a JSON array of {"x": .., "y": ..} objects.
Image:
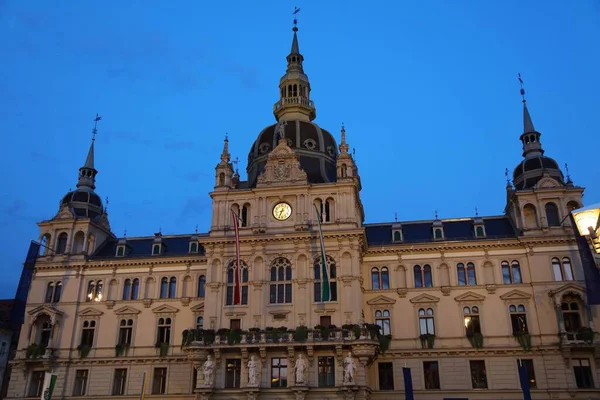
[
  {"x": 125, "y": 234},
  {"x": 506, "y": 176},
  {"x": 236, "y": 162},
  {"x": 95, "y": 130},
  {"x": 295, "y": 14},
  {"x": 522, "y": 90},
  {"x": 436, "y": 214},
  {"x": 106, "y": 205},
  {"x": 567, "y": 171},
  {"x": 396, "y": 217},
  {"x": 476, "y": 212},
  {"x": 196, "y": 231},
  {"x": 160, "y": 230}
]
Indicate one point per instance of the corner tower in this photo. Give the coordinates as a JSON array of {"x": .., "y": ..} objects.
[
  {"x": 541, "y": 199},
  {"x": 81, "y": 223}
]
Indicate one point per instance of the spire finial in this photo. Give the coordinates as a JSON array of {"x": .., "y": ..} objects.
[
  {"x": 396, "y": 217},
  {"x": 476, "y": 212},
  {"x": 225, "y": 156},
  {"x": 106, "y": 204},
  {"x": 436, "y": 214},
  {"x": 295, "y": 14},
  {"x": 196, "y": 231},
  {"x": 522, "y": 89},
  {"x": 567, "y": 171},
  {"x": 125, "y": 234},
  {"x": 506, "y": 176},
  {"x": 95, "y": 130}
]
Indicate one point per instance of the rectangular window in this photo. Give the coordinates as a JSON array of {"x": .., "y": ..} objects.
[
  {"x": 125, "y": 331},
  {"x": 81, "y": 378},
  {"x": 529, "y": 372},
  {"x": 36, "y": 382},
  {"x": 478, "y": 374},
  {"x": 235, "y": 324},
  {"x": 325, "y": 321},
  {"x": 583, "y": 373},
  {"x": 326, "y": 372},
  {"x": 119, "y": 382},
  {"x": 279, "y": 372},
  {"x": 431, "y": 373},
  {"x": 159, "y": 382},
  {"x": 233, "y": 368},
  {"x": 386, "y": 375}
]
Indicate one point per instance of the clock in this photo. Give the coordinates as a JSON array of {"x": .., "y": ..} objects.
[{"x": 282, "y": 211}]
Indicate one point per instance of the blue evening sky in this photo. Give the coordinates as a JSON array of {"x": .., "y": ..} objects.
[{"x": 428, "y": 92}]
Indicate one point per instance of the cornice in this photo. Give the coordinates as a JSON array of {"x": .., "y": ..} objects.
[
  {"x": 112, "y": 263},
  {"x": 294, "y": 236}
]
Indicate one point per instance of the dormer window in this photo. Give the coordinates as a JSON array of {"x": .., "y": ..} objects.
[
  {"x": 193, "y": 247},
  {"x": 438, "y": 233},
  {"x": 156, "y": 249},
  {"x": 397, "y": 236},
  {"x": 120, "y": 251},
  {"x": 479, "y": 228}
]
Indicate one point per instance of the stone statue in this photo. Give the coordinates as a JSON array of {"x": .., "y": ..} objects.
[
  {"x": 280, "y": 129},
  {"x": 207, "y": 370},
  {"x": 349, "y": 369},
  {"x": 252, "y": 371},
  {"x": 300, "y": 368}
]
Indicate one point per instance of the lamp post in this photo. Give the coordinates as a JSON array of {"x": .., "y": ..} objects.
[{"x": 587, "y": 220}]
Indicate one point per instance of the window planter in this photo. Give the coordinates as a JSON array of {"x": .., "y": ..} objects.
[{"x": 427, "y": 341}]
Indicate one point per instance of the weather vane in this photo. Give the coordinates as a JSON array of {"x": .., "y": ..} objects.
[
  {"x": 567, "y": 171},
  {"x": 95, "y": 130},
  {"x": 506, "y": 176},
  {"x": 522, "y": 90},
  {"x": 295, "y": 14}
]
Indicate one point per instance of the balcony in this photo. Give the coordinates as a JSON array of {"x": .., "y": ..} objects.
[{"x": 302, "y": 101}]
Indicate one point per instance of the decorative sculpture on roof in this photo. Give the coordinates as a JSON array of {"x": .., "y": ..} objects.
[{"x": 280, "y": 129}]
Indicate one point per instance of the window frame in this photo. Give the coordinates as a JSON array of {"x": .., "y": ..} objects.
[
  {"x": 422, "y": 272},
  {"x": 280, "y": 286},
  {"x": 426, "y": 318},
  {"x": 385, "y": 376},
  {"x": 466, "y": 268},
  {"x": 508, "y": 272},
  {"x": 431, "y": 374},
  {"x": 516, "y": 311},
  {"x": 283, "y": 383},
  {"x": 476, "y": 363},
  {"x": 564, "y": 267},
  {"x": 325, "y": 371},
  {"x": 164, "y": 330},
  {"x": 160, "y": 380},
  {"x": 332, "y": 266},
  {"x": 381, "y": 317},
  {"x": 119, "y": 389},
  {"x": 230, "y": 284}
]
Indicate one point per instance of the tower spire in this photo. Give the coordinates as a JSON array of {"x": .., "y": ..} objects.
[
  {"x": 294, "y": 101},
  {"x": 532, "y": 147},
  {"x": 87, "y": 173}
]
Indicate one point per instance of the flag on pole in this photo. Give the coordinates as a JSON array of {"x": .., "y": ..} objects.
[
  {"x": 237, "y": 271},
  {"x": 142, "y": 393},
  {"x": 48, "y": 388},
  {"x": 408, "y": 386},
  {"x": 18, "y": 310},
  {"x": 524, "y": 381},
  {"x": 325, "y": 287}
]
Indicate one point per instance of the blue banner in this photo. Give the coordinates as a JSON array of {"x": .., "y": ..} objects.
[
  {"x": 18, "y": 311},
  {"x": 590, "y": 271},
  {"x": 408, "y": 387},
  {"x": 524, "y": 378}
]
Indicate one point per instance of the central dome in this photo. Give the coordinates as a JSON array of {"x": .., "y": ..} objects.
[{"x": 316, "y": 148}]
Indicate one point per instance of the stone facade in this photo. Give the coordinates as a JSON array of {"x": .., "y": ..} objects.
[{"x": 460, "y": 302}]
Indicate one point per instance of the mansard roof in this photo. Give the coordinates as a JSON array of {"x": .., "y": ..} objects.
[
  {"x": 176, "y": 245},
  {"x": 496, "y": 227}
]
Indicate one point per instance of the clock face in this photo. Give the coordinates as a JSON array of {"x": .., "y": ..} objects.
[{"x": 282, "y": 211}]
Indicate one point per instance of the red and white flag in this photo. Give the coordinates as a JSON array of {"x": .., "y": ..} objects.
[{"x": 237, "y": 270}]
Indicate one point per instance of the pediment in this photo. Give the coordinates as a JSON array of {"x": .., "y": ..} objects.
[
  {"x": 515, "y": 295},
  {"x": 424, "y": 298},
  {"x": 165, "y": 309},
  {"x": 127, "y": 311},
  {"x": 282, "y": 167},
  {"x": 64, "y": 213},
  {"x": 198, "y": 308},
  {"x": 90, "y": 312},
  {"x": 548, "y": 182},
  {"x": 44, "y": 308},
  {"x": 469, "y": 297},
  {"x": 381, "y": 300},
  {"x": 572, "y": 288}
]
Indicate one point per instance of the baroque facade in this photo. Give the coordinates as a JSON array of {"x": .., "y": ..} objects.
[{"x": 461, "y": 302}]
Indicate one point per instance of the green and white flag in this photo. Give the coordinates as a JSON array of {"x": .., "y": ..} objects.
[
  {"x": 325, "y": 287},
  {"x": 48, "y": 388}
]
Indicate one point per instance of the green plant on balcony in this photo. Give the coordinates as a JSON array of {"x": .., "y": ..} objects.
[
  {"x": 427, "y": 340},
  {"x": 384, "y": 342},
  {"x": 208, "y": 335},
  {"x": 234, "y": 336},
  {"x": 323, "y": 331},
  {"x": 35, "y": 350},
  {"x": 163, "y": 348},
  {"x": 84, "y": 350},
  {"x": 586, "y": 334},
  {"x": 524, "y": 339},
  {"x": 121, "y": 349},
  {"x": 373, "y": 330},
  {"x": 476, "y": 339},
  {"x": 301, "y": 333}
]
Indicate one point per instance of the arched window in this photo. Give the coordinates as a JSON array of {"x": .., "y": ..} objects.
[
  {"x": 61, "y": 243},
  {"x": 530, "y": 216},
  {"x": 571, "y": 307},
  {"x": 518, "y": 318},
  {"x": 125, "y": 332},
  {"x": 466, "y": 275},
  {"x": 382, "y": 318},
  {"x": 385, "y": 278},
  {"x": 164, "y": 288},
  {"x": 127, "y": 289},
  {"x": 222, "y": 179},
  {"x": 397, "y": 236},
  {"x": 44, "y": 244},
  {"x": 164, "y": 331},
  {"x": 280, "y": 290},
  {"x": 199, "y": 322},
  {"x": 94, "y": 291},
  {"x": 562, "y": 270},
  {"x": 193, "y": 247},
  {"x": 511, "y": 273},
  {"x": 240, "y": 282},
  {"x": 375, "y": 278},
  {"x": 552, "y": 214},
  {"x": 325, "y": 287},
  {"x": 244, "y": 215},
  {"x": 471, "y": 319},
  {"x": 426, "y": 321},
  {"x": 43, "y": 330},
  {"x": 423, "y": 276},
  {"x": 53, "y": 292},
  {"x": 87, "y": 333},
  {"x": 135, "y": 289},
  {"x": 172, "y": 287},
  {"x": 78, "y": 243},
  {"x": 201, "y": 286}
]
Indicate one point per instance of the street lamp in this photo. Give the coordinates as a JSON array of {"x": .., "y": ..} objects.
[{"x": 587, "y": 220}]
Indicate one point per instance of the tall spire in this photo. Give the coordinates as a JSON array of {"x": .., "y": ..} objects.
[
  {"x": 294, "y": 88},
  {"x": 532, "y": 147},
  {"x": 87, "y": 173}
]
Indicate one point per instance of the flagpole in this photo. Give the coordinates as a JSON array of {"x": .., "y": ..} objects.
[
  {"x": 142, "y": 394},
  {"x": 325, "y": 287}
]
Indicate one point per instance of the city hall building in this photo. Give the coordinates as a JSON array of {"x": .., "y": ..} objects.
[{"x": 292, "y": 295}]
